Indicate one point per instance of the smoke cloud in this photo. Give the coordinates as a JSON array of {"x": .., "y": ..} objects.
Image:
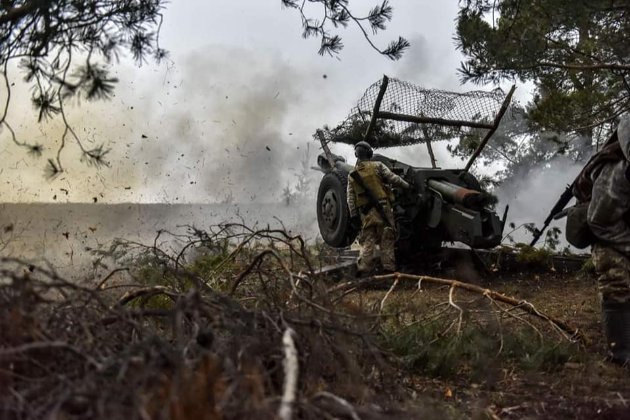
[
  {"x": 224, "y": 123},
  {"x": 531, "y": 195}
]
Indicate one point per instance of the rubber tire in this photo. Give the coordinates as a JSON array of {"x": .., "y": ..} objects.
[{"x": 334, "y": 228}]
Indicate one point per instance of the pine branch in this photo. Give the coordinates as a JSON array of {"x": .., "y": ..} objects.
[
  {"x": 51, "y": 40},
  {"x": 338, "y": 14}
]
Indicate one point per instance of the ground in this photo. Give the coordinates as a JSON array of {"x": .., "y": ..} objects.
[
  {"x": 208, "y": 336},
  {"x": 586, "y": 386}
]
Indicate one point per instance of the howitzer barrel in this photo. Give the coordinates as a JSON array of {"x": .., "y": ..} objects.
[
  {"x": 339, "y": 163},
  {"x": 471, "y": 199}
]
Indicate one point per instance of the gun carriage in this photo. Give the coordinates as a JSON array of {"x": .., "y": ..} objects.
[{"x": 444, "y": 205}]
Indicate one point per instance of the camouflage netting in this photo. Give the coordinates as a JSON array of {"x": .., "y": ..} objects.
[{"x": 408, "y": 99}]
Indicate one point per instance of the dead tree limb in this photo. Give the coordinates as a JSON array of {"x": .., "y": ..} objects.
[
  {"x": 567, "y": 330},
  {"x": 291, "y": 372},
  {"x": 147, "y": 292}
]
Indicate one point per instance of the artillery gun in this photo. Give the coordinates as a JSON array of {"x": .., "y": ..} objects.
[{"x": 444, "y": 205}]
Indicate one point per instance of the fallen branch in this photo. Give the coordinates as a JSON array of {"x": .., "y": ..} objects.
[
  {"x": 391, "y": 289},
  {"x": 146, "y": 292},
  {"x": 345, "y": 405},
  {"x": 570, "y": 332},
  {"x": 101, "y": 284},
  {"x": 291, "y": 371},
  {"x": 255, "y": 262},
  {"x": 48, "y": 345},
  {"x": 451, "y": 302}
]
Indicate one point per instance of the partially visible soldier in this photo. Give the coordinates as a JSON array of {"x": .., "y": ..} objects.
[
  {"x": 375, "y": 229},
  {"x": 607, "y": 218}
]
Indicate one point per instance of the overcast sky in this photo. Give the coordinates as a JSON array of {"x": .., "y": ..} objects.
[{"x": 233, "y": 109}]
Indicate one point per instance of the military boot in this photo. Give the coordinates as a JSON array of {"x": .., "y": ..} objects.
[{"x": 617, "y": 328}]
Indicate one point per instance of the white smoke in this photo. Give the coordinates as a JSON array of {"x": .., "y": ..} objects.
[
  {"x": 532, "y": 195},
  {"x": 223, "y": 123}
]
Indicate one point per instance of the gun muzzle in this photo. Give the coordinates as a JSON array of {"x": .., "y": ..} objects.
[{"x": 475, "y": 200}]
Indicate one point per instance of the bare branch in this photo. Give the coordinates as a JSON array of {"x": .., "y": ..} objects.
[{"x": 291, "y": 372}]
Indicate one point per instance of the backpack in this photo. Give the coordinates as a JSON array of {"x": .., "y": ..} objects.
[{"x": 577, "y": 231}]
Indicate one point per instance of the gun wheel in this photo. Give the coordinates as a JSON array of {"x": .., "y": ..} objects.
[
  {"x": 330, "y": 208},
  {"x": 333, "y": 216}
]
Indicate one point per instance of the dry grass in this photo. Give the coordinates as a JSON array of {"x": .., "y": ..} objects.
[{"x": 205, "y": 332}]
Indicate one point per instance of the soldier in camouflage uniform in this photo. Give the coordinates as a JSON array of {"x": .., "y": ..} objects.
[
  {"x": 608, "y": 220},
  {"x": 374, "y": 230}
]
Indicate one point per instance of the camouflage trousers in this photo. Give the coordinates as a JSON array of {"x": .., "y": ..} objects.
[
  {"x": 613, "y": 269},
  {"x": 375, "y": 232}
]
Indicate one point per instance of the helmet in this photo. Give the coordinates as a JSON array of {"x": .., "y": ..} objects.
[{"x": 362, "y": 150}]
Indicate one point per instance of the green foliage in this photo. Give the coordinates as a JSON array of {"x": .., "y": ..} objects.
[
  {"x": 552, "y": 238},
  {"x": 337, "y": 13},
  {"x": 208, "y": 260},
  {"x": 157, "y": 301},
  {"x": 65, "y": 50},
  {"x": 204, "y": 264},
  {"x": 537, "y": 256},
  {"x": 203, "y": 259},
  {"x": 534, "y": 257},
  {"x": 573, "y": 51},
  {"x": 422, "y": 350},
  {"x": 150, "y": 269},
  {"x": 588, "y": 267},
  {"x": 548, "y": 358},
  {"x": 426, "y": 349}
]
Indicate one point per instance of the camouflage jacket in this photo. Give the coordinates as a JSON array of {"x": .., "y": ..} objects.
[
  {"x": 609, "y": 206},
  {"x": 384, "y": 174}
]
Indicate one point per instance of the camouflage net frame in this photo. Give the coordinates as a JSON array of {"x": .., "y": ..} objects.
[{"x": 409, "y": 114}]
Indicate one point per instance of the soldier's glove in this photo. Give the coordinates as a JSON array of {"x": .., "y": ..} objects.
[{"x": 355, "y": 223}]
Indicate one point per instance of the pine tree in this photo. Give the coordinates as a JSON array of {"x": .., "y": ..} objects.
[{"x": 574, "y": 51}]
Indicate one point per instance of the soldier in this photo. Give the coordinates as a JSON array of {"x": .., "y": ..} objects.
[
  {"x": 372, "y": 205},
  {"x": 607, "y": 218}
]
